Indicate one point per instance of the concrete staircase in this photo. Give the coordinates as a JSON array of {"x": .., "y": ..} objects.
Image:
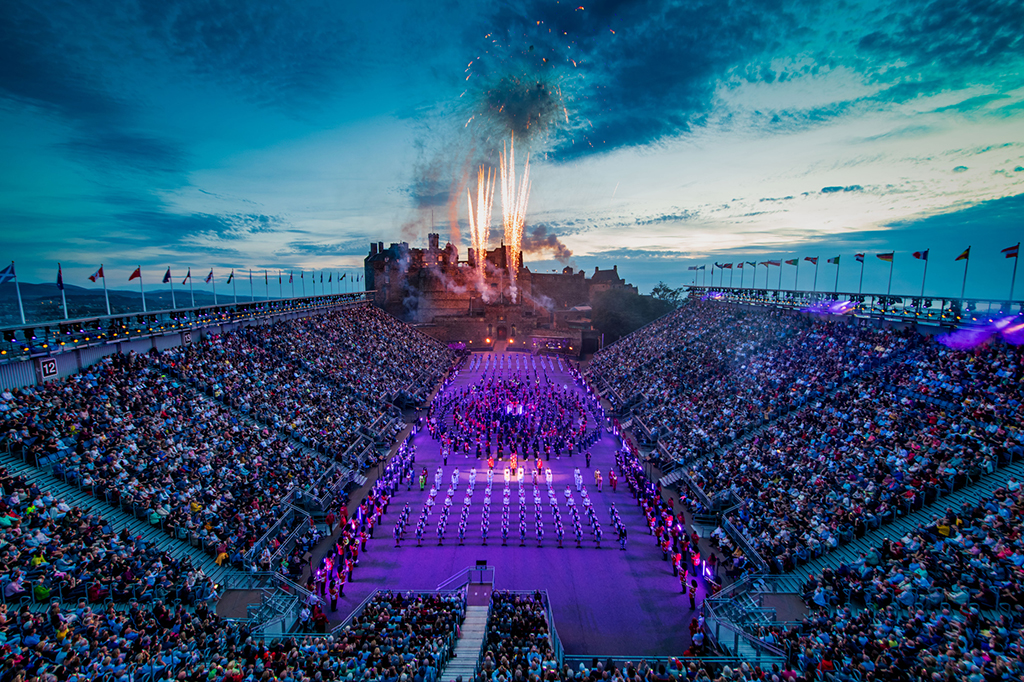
[
  {"x": 117, "y": 517},
  {"x": 474, "y": 630}
]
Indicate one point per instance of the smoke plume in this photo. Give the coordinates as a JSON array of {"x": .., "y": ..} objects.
[{"x": 540, "y": 239}]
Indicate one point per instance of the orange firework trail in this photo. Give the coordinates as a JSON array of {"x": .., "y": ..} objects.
[
  {"x": 480, "y": 223},
  {"x": 513, "y": 204}
]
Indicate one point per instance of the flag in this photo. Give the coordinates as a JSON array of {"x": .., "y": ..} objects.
[
  {"x": 7, "y": 274},
  {"x": 343, "y": 277},
  {"x": 188, "y": 276},
  {"x": 703, "y": 267},
  {"x": 764, "y": 263},
  {"x": 718, "y": 265},
  {"x": 692, "y": 267},
  {"x": 859, "y": 257},
  {"x": 136, "y": 274},
  {"x": 775, "y": 262},
  {"x": 813, "y": 260},
  {"x": 329, "y": 276},
  {"x": 266, "y": 277},
  {"x": 291, "y": 277},
  {"x": 792, "y": 261},
  {"x": 96, "y": 275},
  {"x": 751, "y": 264},
  {"x": 833, "y": 261},
  {"x": 321, "y": 277},
  {"x": 964, "y": 256},
  {"x": 209, "y": 278},
  {"x": 887, "y": 257},
  {"x": 167, "y": 276},
  {"x": 1011, "y": 251},
  {"x": 921, "y": 255},
  {"x": 739, "y": 266},
  {"x": 60, "y": 278},
  {"x": 727, "y": 266},
  {"x": 231, "y": 277}
]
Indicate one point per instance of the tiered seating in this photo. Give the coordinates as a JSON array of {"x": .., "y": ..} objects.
[
  {"x": 518, "y": 644},
  {"x": 723, "y": 371},
  {"x": 395, "y": 635},
  {"x": 49, "y": 549},
  {"x": 930, "y": 600},
  {"x": 136, "y": 437},
  {"x": 325, "y": 380}
]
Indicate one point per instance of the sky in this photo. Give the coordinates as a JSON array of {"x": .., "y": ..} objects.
[{"x": 661, "y": 135}]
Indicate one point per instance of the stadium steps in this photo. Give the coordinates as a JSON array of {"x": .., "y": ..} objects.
[
  {"x": 117, "y": 517},
  {"x": 474, "y": 629},
  {"x": 897, "y": 529}
]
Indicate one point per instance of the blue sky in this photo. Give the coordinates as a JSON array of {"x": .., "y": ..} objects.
[{"x": 662, "y": 134}]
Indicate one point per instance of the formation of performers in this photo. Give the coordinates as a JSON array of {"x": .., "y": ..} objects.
[
  {"x": 509, "y": 415},
  {"x": 448, "y": 502}
]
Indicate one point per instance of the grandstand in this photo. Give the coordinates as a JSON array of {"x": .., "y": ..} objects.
[{"x": 313, "y": 489}]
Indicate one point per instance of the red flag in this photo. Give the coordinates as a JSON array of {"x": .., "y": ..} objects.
[
  {"x": 812, "y": 259},
  {"x": 96, "y": 275},
  {"x": 1011, "y": 251},
  {"x": 137, "y": 273},
  {"x": 921, "y": 255}
]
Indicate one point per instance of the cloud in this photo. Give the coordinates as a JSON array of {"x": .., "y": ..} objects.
[
  {"x": 351, "y": 247},
  {"x": 960, "y": 169}
]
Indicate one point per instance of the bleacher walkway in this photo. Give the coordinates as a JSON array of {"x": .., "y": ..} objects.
[
  {"x": 118, "y": 518},
  {"x": 474, "y": 629},
  {"x": 973, "y": 494}
]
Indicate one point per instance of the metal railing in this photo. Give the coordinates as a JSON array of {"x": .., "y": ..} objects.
[
  {"x": 53, "y": 337},
  {"x": 938, "y": 310},
  {"x": 471, "y": 574}
]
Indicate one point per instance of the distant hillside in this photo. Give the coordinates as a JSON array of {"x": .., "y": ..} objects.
[{"x": 42, "y": 301}]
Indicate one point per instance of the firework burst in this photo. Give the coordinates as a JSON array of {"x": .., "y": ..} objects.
[
  {"x": 513, "y": 204},
  {"x": 480, "y": 222}
]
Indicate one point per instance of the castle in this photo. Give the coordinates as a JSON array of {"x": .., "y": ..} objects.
[{"x": 477, "y": 302}]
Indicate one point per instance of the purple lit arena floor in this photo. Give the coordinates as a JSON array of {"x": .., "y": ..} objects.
[{"x": 605, "y": 601}]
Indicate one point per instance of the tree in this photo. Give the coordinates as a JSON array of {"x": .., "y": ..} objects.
[
  {"x": 617, "y": 312},
  {"x": 664, "y": 292}
]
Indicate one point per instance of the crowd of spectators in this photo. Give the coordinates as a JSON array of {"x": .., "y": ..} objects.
[
  {"x": 50, "y": 549},
  {"x": 518, "y": 643},
  {"x": 942, "y": 602},
  {"x": 134, "y": 436},
  {"x": 708, "y": 373},
  {"x": 325, "y": 381},
  {"x": 395, "y": 635},
  {"x": 866, "y": 454}
]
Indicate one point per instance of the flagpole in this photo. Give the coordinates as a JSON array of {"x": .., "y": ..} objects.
[
  {"x": 814, "y": 286},
  {"x": 924, "y": 275},
  {"x": 779, "y": 288},
  {"x": 191, "y": 289},
  {"x": 64, "y": 298},
  {"x": 17, "y": 288},
  {"x": 892, "y": 263},
  {"x": 796, "y": 277},
  {"x": 252, "y": 288},
  {"x": 730, "y": 278},
  {"x": 266, "y": 280},
  {"x": 280, "y": 284},
  {"x": 234, "y": 287},
  {"x": 967, "y": 261},
  {"x": 174, "y": 304},
  {"x": 837, "y": 277},
  {"x": 1013, "y": 277},
  {"x": 141, "y": 289},
  {"x": 106, "y": 297},
  {"x": 302, "y": 276},
  {"x": 213, "y": 279},
  {"x": 291, "y": 280},
  {"x": 860, "y": 287}
]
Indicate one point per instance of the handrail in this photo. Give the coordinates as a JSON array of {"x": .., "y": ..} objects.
[
  {"x": 744, "y": 542},
  {"x": 465, "y": 576}
]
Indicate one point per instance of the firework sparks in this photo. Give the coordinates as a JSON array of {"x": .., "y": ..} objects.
[
  {"x": 513, "y": 204},
  {"x": 480, "y": 222}
]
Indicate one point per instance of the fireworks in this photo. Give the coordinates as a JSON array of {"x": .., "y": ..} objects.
[
  {"x": 480, "y": 224},
  {"x": 513, "y": 204}
]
